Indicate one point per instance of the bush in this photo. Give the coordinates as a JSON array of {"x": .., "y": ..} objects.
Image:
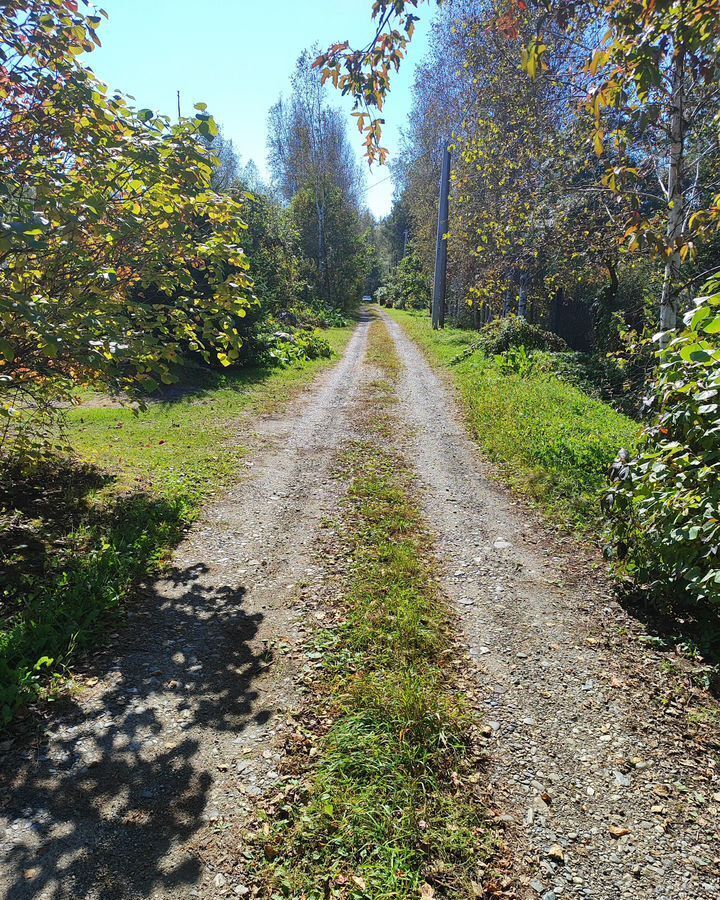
[
  {"x": 295, "y": 348},
  {"x": 500, "y": 335},
  {"x": 408, "y": 286},
  {"x": 664, "y": 510},
  {"x": 382, "y": 296}
]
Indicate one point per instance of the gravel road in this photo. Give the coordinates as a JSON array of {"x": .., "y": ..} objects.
[
  {"x": 173, "y": 735},
  {"x": 176, "y": 732}
]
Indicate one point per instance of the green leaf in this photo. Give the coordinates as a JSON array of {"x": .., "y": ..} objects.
[
  {"x": 695, "y": 353},
  {"x": 713, "y": 326}
]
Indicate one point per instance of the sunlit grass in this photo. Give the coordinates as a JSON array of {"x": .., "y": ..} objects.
[{"x": 552, "y": 442}]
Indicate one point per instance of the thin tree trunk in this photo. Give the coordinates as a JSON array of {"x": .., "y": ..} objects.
[{"x": 669, "y": 302}]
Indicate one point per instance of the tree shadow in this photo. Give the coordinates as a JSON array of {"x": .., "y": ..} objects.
[
  {"x": 98, "y": 804},
  {"x": 37, "y": 508},
  {"x": 695, "y": 629}
]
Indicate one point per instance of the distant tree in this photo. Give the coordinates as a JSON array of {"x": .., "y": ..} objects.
[{"x": 315, "y": 170}]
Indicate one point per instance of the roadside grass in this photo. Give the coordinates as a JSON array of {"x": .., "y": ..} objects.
[
  {"x": 552, "y": 442},
  {"x": 392, "y": 809},
  {"x": 76, "y": 536}
]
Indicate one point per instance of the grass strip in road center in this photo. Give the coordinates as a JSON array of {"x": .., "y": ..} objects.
[{"x": 393, "y": 808}]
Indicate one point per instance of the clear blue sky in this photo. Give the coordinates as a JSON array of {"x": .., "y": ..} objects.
[{"x": 237, "y": 56}]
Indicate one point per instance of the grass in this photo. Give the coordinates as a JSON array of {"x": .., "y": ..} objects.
[
  {"x": 552, "y": 442},
  {"x": 189, "y": 446},
  {"x": 391, "y": 809},
  {"x": 75, "y": 537}
]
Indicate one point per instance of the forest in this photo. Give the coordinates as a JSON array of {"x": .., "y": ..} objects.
[{"x": 347, "y": 555}]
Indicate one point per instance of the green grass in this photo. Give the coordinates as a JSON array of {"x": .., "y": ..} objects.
[
  {"x": 75, "y": 537},
  {"x": 553, "y": 442},
  {"x": 390, "y": 806},
  {"x": 191, "y": 446}
]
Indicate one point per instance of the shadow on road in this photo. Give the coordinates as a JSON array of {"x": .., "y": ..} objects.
[{"x": 97, "y": 804}]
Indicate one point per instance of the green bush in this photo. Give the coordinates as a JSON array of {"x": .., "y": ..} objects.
[
  {"x": 500, "y": 335},
  {"x": 382, "y": 296},
  {"x": 408, "y": 286},
  {"x": 664, "y": 510},
  {"x": 297, "y": 347}
]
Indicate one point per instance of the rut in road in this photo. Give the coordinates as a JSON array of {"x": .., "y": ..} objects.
[
  {"x": 608, "y": 802},
  {"x": 175, "y": 740}
]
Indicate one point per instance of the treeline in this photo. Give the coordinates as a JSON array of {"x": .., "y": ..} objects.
[
  {"x": 561, "y": 196},
  {"x": 131, "y": 245}
]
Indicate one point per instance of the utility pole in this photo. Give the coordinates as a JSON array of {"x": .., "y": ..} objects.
[
  {"x": 179, "y": 112},
  {"x": 438, "y": 306}
]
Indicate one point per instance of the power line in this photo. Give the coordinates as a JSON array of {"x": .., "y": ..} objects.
[{"x": 388, "y": 177}]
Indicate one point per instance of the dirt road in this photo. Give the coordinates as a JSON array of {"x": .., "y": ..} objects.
[{"x": 175, "y": 739}]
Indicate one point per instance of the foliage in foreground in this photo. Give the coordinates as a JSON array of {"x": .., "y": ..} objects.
[
  {"x": 664, "y": 511},
  {"x": 116, "y": 256},
  {"x": 553, "y": 442},
  {"x": 390, "y": 810}
]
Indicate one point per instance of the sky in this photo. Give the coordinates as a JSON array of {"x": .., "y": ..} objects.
[{"x": 237, "y": 56}]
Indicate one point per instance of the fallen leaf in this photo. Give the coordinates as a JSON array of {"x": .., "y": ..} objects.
[
  {"x": 360, "y": 882},
  {"x": 426, "y": 892}
]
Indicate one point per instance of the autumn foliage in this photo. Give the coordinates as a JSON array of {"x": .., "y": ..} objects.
[{"x": 116, "y": 256}]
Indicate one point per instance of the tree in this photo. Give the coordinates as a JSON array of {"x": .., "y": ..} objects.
[
  {"x": 116, "y": 256},
  {"x": 315, "y": 171},
  {"x": 656, "y": 70}
]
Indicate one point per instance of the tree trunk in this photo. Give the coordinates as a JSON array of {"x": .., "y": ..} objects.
[{"x": 669, "y": 302}]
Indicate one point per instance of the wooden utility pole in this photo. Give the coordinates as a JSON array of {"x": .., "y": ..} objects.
[
  {"x": 438, "y": 306},
  {"x": 179, "y": 109}
]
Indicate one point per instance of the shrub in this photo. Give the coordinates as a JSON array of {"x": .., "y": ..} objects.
[
  {"x": 294, "y": 348},
  {"x": 117, "y": 258},
  {"x": 381, "y": 296},
  {"x": 664, "y": 509},
  {"x": 408, "y": 286},
  {"x": 500, "y": 335}
]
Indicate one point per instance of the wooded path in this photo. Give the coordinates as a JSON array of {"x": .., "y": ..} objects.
[{"x": 142, "y": 787}]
